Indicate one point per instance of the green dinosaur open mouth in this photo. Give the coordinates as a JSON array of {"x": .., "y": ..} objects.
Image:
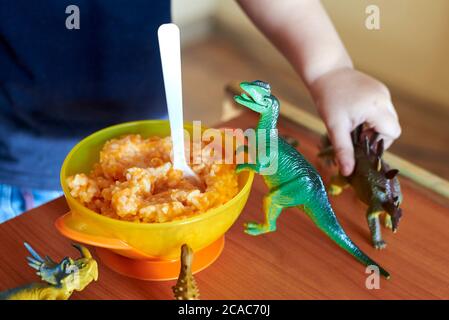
[{"x": 246, "y": 98}]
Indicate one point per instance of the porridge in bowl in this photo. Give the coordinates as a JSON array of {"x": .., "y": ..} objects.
[{"x": 134, "y": 180}]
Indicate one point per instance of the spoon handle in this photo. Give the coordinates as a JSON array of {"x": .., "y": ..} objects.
[{"x": 170, "y": 50}]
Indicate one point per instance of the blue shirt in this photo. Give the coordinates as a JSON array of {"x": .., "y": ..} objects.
[{"x": 58, "y": 85}]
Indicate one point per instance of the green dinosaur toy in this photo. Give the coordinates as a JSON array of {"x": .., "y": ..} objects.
[
  {"x": 61, "y": 279},
  {"x": 186, "y": 288},
  {"x": 295, "y": 183},
  {"x": 373, "y": 181}
]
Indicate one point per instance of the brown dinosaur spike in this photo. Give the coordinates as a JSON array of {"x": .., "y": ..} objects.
[
  {"x": 380, "y": 148},
  {"x": 367, "y": 147},
  {"x": 186, "y": 287},
  {"x": 391, "y": 174},
  {"x": 356, "y": 134},
  {"x": 373, "y": 139},
  {"x": 379, "y": 154},
  {"x": 378, "y": 164}
]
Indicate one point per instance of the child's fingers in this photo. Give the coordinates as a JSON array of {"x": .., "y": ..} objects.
[
  {"x": 387, "y": 126},
  {"x": 392, "y": 109},
  {"x": 387, "y": 142},
  {"x": 340, "y": 137}
]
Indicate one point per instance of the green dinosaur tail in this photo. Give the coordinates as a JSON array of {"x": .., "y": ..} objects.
[{"x": 324, "y": 217}]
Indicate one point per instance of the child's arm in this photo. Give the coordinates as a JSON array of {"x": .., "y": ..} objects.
[{"x": 345, "y": 98}]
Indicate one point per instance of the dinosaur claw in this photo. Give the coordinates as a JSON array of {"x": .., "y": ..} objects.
[
  {"x": 255, "y": 229},
  {"x": 252, "y": 228},
  {"x": 379, "y": 245}
]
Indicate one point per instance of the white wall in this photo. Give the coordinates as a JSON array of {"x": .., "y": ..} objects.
[
  {"x": 410, "y": 51},
  {"x": 194, "y": 17}
]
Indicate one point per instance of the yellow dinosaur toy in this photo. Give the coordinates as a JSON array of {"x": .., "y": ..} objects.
[{"x": 60, "y": 279}]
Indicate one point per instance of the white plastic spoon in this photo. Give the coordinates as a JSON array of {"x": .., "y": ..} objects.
[{"x": 170, "y": 50}]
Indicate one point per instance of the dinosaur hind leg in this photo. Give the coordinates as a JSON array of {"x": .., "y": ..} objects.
[
  {"x": 374, "y": 227},
  {"x": 387, "y": 221},
  {"x": 279, "y": 198},
  {"x": 271, "y": 213}
]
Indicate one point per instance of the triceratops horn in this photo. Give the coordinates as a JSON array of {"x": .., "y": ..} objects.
[{"x": 83, "y": 250}]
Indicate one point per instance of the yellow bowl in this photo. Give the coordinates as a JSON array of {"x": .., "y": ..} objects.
[{"x": 141, "y": 240}]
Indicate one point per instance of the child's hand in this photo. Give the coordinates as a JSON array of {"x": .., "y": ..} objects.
[
  {"x": 303, "y": 32},
  {"x": 346, "y": 98}
]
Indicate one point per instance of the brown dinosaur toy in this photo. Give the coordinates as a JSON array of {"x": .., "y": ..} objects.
[
  {"x": 186, "y": 288},
  {"x": 373, "y": 181}
]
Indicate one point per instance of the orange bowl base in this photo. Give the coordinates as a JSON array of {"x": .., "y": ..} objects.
[{"x": 159, "y": 270}]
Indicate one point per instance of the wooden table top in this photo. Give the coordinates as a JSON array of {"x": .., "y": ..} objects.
[{"x": 296, "y": 262}]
